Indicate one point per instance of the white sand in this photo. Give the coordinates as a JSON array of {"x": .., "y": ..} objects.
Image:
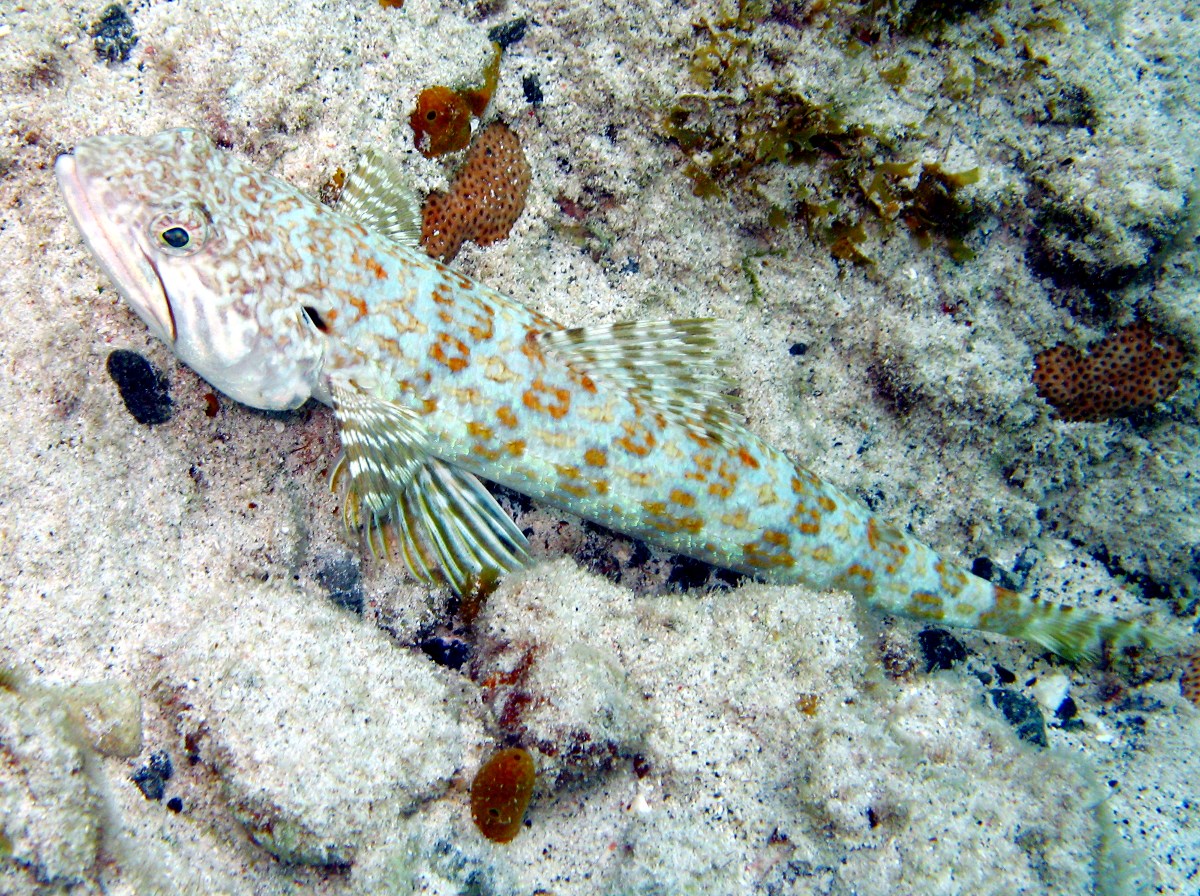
[{"x": 775, "y": 756}]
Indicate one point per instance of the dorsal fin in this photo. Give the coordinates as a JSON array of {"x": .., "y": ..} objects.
[
  {"x": 673, "y": 366},
  {"x": 376, "y": 195}
]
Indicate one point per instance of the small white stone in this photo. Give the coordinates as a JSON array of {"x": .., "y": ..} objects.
[{"x": 1051, "y": 690}]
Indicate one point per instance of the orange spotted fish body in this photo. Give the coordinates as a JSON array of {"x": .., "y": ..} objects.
[{"x": 436, "y": 380}]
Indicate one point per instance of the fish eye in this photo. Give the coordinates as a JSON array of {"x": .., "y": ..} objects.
[
  {"x": 176, "y": 237},
  {"x": 180, "y": 230}
]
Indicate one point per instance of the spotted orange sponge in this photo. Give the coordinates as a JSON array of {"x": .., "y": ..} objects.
[
  {"x": 485, "y": 198},
  {"x": 1129, "y": 370}
]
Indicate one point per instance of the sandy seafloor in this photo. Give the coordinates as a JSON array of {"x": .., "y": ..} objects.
[{"x": 167, "y": 589}]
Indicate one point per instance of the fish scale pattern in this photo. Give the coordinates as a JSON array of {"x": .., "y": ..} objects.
[{"x": 508, "y": 399}]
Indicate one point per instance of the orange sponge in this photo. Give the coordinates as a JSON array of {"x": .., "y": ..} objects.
[
  {"x": 485, "y": 199},
  {"x": 1127, "y": 371},
  {"x": 441, "y": 122},
  {"x": 1189, "y": 681},
  {"x": 501, "y": 792}
]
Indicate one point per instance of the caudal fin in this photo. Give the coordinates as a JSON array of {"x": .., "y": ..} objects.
[{"x": 1075, "y": 634}]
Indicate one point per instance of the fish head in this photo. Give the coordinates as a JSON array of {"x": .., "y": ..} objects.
[{"x": 197, "y": 244}]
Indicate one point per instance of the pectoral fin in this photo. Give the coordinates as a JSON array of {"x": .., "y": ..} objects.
[
  {"x": 440, "y": 519},
  {"x": 449, "y": 526},
  {"x": 383, "y": 447}
]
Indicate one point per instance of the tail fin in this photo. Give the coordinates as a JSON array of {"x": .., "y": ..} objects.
[{"x": 1072, "y": 633}]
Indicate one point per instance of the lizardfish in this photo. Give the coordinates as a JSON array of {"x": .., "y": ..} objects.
[{"x": 435, "y": 380}]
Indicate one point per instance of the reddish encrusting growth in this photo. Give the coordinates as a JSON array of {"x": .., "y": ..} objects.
[{"x": 1189, "y": 681}]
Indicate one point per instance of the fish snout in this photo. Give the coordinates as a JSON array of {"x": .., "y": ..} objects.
[{"x": 109, "y": 230}]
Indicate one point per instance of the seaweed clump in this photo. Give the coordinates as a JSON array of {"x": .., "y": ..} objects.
[
  {"x": 737, "y": 131},
  {"x": 934, "y": 208},
  {"x": 113, "y": 35},
  {"x": 868, "y": 22},
  {"x": 734, "y": 127},
  {"x": 929, "y": 17}
]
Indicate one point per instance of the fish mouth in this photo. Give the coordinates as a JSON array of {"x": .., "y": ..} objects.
[{"x": 119, "y": 254}]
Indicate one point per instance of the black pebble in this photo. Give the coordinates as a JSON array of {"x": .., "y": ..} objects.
[
  {"x": 160, "y": 764},
  {"x": 342, "y": 580},
  {"x": 1005, "y": 676},
  {"x": 175, "y": 804},
  {"x": 1022, "y": 713},
  {"x": 144, "y": 390},
  {"x": 509, "y": 33},
  {"x": 688, "y": 573},
  {"x": 997, "y": 575},
  {"x": 113, "y": 35},
  {"x": 151, "y": 778},
  {"x": 448, "y": 652},
  {"x": 797, "y": 349},
  {"x": 532, "y": 88},
  {"x": 983, "y": 567},
  {"x": 940, "y": 649},
  {"x": 638, "y": 555},
  {"x": 874, "y": 499}
]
